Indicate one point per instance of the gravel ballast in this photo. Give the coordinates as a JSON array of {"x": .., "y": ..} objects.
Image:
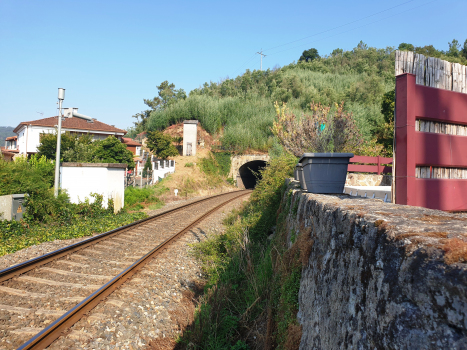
[{"x": 150, "y": 310}]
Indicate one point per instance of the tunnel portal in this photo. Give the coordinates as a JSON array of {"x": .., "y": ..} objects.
[{"x": 248, "y": 174}]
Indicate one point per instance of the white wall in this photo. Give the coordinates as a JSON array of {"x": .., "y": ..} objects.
[
  {"x": 161, "y": 172},
  {"x": 86, "y": 178},
  {"x": 22, "y": 140},
  {"x": 29, "y": 137},
  {"x": 190, "y": 135},
  {"x": 34, "y": 136}
]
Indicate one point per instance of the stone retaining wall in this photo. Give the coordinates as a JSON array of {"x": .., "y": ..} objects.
[
  {"x": 379, "y": 275},
  {"x": 355, "y": 179}
]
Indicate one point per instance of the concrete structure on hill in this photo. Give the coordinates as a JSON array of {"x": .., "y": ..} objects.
[{"x": 190, "y": 137}]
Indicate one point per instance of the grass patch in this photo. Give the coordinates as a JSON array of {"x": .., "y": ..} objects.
[
  {"x": 216, "y": 167},
  {"x": 15, "y": 236},
  {"x": 139, "y": 198},
  {"x": 156, "y": 205},
  {"x": 216, "y": 164},
  {"x": 251, "y": 296}
]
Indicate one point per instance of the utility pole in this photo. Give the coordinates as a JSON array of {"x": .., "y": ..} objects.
[
  {"x": 61, "y": 97},
  {"x": 262, "y": 54}
]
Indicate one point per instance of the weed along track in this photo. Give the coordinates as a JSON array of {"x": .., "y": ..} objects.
[{"x": 41, "y": 298}]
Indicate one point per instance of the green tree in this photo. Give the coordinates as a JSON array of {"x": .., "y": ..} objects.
[
  {"x": 111, "y": 150},
  {"x": 161, "y": 144},
  {"x": 147, "y": 167},
  {"x": 464, "y": 49},
  {"x": 454, "y": 48},
  {"x": 385, "y": 132},
  {"x": 141, "y": 120},
  {"x": 81, "y": 152},
  {"x": 428, "y": 50},
  {"x": 309, "y": 55},
  {"x": 68, "y": 146},
  {"x": 406, "y": 47},
  {"x": 337, "y": 52},
  {"x": 167, "y": 95}
]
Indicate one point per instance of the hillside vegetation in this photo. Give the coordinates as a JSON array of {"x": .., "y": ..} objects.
[
  {"x": 5, "y": 131},
  {"x": 240, "y": 111}
]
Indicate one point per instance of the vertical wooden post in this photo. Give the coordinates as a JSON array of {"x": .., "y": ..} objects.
[{"x": 404, "y": 138}]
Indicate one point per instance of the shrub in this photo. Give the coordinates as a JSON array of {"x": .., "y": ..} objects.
[
  {"x": 161, "y": 144},
  {"x": 35, "y": 178},
  {"x": 111, "y": 150},
  {"x": 134, "y": 195},
  {"x": 325, "y": 130},
  {"x": 240, "y": 263},
  {"x": 216, "y": 164}
]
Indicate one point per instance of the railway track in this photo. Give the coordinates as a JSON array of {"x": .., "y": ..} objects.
[{"x": 43, "y": 297}]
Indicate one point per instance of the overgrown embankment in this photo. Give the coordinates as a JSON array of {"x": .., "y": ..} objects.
[
  {"x": 241, "y": 111},
  {"x": 48, "y": 218},
  {"x": 297, "y": 270},
  {"x": 251, "y": 296}
]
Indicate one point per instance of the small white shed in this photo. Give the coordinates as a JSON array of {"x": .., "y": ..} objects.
[{"x": 82, "y": 179}]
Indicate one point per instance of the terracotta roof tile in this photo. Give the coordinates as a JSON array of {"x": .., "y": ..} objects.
[
  {"x": 12, "y": 151},
  {"x": 129, "y": 142},
  {"x": 11, "y": 138},
  {"x": 73, "y": 123}
]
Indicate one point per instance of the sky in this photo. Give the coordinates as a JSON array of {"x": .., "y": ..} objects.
[{"x": 110, "y": 55}]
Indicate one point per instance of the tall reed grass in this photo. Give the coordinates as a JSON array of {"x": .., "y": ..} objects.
[{"x": 241, "y": 109}]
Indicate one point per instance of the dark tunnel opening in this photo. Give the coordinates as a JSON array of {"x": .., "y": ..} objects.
[{"x": 246, "y": 177}]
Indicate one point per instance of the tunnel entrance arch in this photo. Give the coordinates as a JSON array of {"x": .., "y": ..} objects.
[
  {"x": 247, "y": 163},
  {"x": 248, "y": 174}
]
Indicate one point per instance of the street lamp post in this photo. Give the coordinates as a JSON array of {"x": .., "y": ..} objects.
[{"x": 61, "y": 97}]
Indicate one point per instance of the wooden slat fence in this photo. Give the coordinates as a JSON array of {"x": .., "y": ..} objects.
[
  {"x": 378, "y": 165},
  {"x": 431, "y": 71}
]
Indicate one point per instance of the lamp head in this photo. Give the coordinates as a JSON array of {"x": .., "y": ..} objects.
[{"x": 61, "y": 94}]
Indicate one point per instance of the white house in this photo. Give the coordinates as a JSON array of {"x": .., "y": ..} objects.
[
  {"x": 29, "y": 133},
  {"x": 11, "y": 149}
]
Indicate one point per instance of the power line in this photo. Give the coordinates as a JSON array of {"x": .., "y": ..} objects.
[
  {"x": 244, "y": 64},
  {"x": 328, "y": 30},
  {"x": 364, "y": 25},
  {"x": 343, "y": 25},
  {"x": 262, "y": 54}
]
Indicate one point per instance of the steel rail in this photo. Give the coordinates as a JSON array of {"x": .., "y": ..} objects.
[
  {"x": 57, "y": 328},
  {"x": 25, "y": 266}
]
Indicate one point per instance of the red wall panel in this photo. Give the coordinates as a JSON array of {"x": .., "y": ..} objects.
[
  {"x": 414, "y": 148},
  {"x": 443, "y": 194}
]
